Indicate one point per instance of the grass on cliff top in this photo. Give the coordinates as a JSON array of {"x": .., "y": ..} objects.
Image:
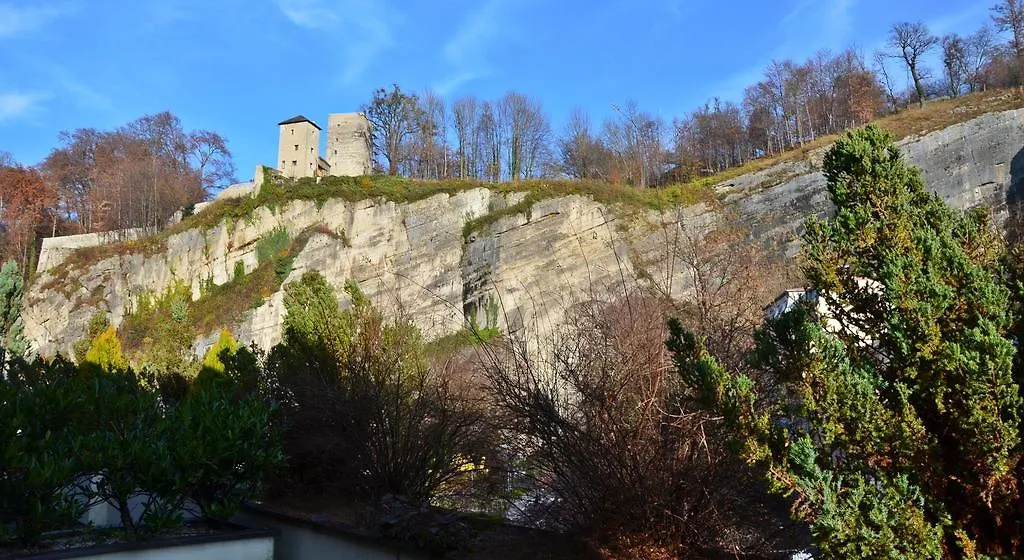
[
  {"x": 277, "y": 192},
  {"x": 912, "y": 121}
]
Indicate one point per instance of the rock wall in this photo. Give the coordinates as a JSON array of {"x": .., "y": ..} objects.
[{"x": 412, "y": 258}]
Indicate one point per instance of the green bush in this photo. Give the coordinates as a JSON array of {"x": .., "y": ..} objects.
[
  {"x": 130, "y": 451},
  {"x": 211, "y": 432},
  {"x": 273, "y": 245},
  {"x": 39, "y": 451},
  {"x": 364, "y": 412},
  {"x": 97, "y": 324},
  {"x": 73, "y": 435}
]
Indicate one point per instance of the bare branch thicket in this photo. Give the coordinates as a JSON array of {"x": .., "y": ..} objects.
[
  {"x": 728, "y": 279},
  {"x": 609, "y": 446},
  {"x": 1008, "y": 15},
  {"x": 910, "y": 42}
]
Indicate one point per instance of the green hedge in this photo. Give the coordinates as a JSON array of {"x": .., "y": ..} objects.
[{"x": 72, "y": 436}]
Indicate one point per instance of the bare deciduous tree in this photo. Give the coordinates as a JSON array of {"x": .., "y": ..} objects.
[
  {"x": 490, "y": 141},
  {"x": 464, "y": 119},
  {"x": 911, "y": 41},
  {"x": 635, "y": 138},
  {"x": 954, "y": 63},
  {"x": 135, "y": 176},
  {"x": 1008, "y": 15},
  {"x": 393, "y": 116},
  {"x": 980, "y": 52},
  {"x": 583, "y": 156},
  {"x": 526, "y": 132},
  {"x": 880, "y": 68},
  {"x": 210, "y": 156},
  {"x": 613, "y": 449}
]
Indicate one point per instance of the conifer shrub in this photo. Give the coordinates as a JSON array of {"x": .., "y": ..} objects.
[{"x": 893, "y": 418}]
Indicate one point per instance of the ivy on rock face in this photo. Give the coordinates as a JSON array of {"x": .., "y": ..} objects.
[{"x": 892, "y": 419}]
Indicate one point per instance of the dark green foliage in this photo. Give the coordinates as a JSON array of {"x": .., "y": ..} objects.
[
  {"x": 71, "y": 436},
  {"x": 284, "y": 267},
  {"x": 211, "y": 430},
  {"x": 38, "y": 454},
  {"x": 97, "y": 324},
  {"x": 272, "y": 246},
  {"x": 365, "y": 413},
  {"x": 130, "y": 450},
  {"x": 895, "y": 426},
  {"x": 12, "y": 339}
]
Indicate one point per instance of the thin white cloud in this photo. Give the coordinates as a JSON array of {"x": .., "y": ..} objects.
[
  {"x": 359, "y": 29},
  {"x": 311, "y": 14},
  {"x": 15, "y": 106},
  {"x": 811, "y": 26},
  {"x": 798, "y": 10},
  {"x": 18, "y": 20},
  {"x": 452, "y": 82},
  {"x": 466, "y": 50}
]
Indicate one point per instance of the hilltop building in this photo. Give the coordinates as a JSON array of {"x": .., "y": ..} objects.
[{"x": 348, "y": 146}]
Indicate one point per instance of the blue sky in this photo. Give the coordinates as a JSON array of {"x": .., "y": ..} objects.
[{"x": 239, "y": 66}]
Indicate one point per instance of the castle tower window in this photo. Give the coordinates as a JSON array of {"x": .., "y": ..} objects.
[
  {"x": 296, "y": 147},
  {"x": 295, "y": 162}
]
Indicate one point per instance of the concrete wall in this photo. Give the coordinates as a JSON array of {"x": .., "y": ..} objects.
[
  {"x": 348, "y": 144},
  {"x": 56, "y": 249},
  {"x": 298, "y": 148},
  {"x": 304, "y": 540},
  {"x": 247, "y": 545}
]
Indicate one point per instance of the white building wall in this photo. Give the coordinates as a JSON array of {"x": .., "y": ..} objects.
[
  {"x": 298, "y": 148},
  {"x": 348, "y": 144}
]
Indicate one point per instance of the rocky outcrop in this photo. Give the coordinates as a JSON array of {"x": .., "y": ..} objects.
[{"x": 525, "y": 270}]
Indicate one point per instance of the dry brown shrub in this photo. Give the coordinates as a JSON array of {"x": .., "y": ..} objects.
[{"x": 610, "y": 448}]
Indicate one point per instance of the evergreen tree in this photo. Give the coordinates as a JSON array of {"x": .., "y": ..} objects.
[
  {"x": 105, "y": 353},
  {"x": 212, "y": 363},
  {"x": 893, "y": 419},
  {"x": 11, "y": 326}
]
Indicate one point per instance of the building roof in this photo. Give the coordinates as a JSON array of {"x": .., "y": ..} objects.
[{"x": 299, "y": 119}]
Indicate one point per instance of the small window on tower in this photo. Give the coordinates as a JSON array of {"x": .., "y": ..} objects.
[
  {"x": 293, "y": 132},
  {"x": 296, "y": 147},
  {"x": 295, "y": 162}
]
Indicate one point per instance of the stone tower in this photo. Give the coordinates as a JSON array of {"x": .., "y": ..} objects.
[
  {"x": 298, "y": 148},
  {"x": 348, "y": 144}
]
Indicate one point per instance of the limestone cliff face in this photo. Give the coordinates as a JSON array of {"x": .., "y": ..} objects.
[{"x": 530, "y": 268}]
